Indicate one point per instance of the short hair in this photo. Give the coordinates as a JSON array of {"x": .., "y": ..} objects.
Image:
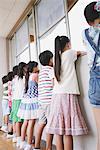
[
  {"x": 45, "y": 57},
  {"x": 4, "y": 79},
  {"x": 91, "y": 13}
]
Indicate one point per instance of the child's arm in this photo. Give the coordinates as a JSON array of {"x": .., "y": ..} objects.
[{"x": 81, "y": 53}]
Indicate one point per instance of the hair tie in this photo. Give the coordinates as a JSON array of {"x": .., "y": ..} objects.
[{"x": 97, "y": 6}]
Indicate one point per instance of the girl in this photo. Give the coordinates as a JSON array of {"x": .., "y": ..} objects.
[
  {"x": 10, "y": 126},
  {"x": 15, "y": 76},
  {"x": 19, "y": 87},
  {"x": 65, "y": 115},
  {"x": 5, "y": 106},
  {"x": 91, "y": 38},
  {"x": 29, "y": 106}
]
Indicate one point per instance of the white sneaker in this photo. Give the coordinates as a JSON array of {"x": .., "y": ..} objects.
[
  {"x": 14, "y": 140},
  {"x": 10, "y": 136},
  {"x": 4, "y": 129},
  {"x": 23, "y": 144},
  {"x": 28, "y": 147}
]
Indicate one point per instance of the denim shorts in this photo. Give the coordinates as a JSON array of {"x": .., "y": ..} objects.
[{"x": 94, "y": 87}]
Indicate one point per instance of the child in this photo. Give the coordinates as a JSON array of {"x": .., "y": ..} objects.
[
  {"x": 10, "y": 126},
  {"x": 45, "y": 87},
  {"x": 91, "y": 38},
  {"x": 15, "y": 76},
  {"x": 5, "y": 106},
  {"x": 19, "y": 87},
  {"x": 29, "y": 105},
  {"x": 65, "y": 120}
]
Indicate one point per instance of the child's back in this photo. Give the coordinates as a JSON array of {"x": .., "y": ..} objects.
[{"x": 45, "y": 85}]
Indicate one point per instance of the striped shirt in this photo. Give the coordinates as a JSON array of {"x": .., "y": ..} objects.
[
  {"x": 5, "y": 91},
  {"x": 45, "y": 85}
]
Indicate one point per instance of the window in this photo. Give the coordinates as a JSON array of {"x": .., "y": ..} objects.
[
  {"x": 49, "y": 12},
  {"x": 50, "y": 15},
  {"x": 33, "y": 49},
  {"x": 47, "y": 41},
  {"x": 24, "y": 57}
]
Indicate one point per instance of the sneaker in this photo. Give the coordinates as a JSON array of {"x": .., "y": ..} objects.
[
  {"x": 10, "y": 136},
  {"x": 28, "y": 147},
  {"x": 4, "y": 129},
  {"x": 14, "y": 140},
  {"x": 23, "y": 144},
  {"x": 36, "y": 148}
]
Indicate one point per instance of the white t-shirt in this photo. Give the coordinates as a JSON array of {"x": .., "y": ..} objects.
[
  {"x": 18, "y": 87},
  {"x": 68, "y": 83}
]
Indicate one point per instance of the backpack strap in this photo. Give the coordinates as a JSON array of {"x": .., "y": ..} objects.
[{"x": 93, "y": 45}]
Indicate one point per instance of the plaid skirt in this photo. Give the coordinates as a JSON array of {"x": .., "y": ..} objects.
[{"x": 65, "y": 116}]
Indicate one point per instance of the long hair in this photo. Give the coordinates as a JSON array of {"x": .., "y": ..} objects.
[
  {"x": 31, "y": 66},
  {"x": 60, "y": 43},
  {"x": 10, "y": 76},
  {"x": 15, "y": 71},
  {"x": 21, "y": 69}
]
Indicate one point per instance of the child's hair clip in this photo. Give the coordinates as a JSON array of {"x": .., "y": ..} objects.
[{"x": 97, "y": 6}]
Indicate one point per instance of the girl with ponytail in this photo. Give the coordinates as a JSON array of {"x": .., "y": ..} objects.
[
  {"x": 65, "y": 119},
  {"x": 29, "y": 105}
]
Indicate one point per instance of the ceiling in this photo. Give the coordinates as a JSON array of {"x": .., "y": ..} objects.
[{"x": 10, "y": 11}]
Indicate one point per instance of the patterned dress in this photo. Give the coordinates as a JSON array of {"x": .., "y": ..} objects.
[{"x": 29, "y": 104}]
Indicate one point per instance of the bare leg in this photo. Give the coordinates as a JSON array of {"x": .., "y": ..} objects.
[
  {"x": 68, "y": 142},
  {"x": 96, "y": 112},
  {"x": 49, "y": 141},
  {"x": 14, "y": 128},
  {"x": 10, "y": 127},
  {"x": 6, "y": 118},
  {"x": 18, "y": 129},
  {"x": 30, "y": 129},
  {"x": 59, "y": 142},
  {"x": 23, "y": 130},
  {"x": 39, "y": 135}
]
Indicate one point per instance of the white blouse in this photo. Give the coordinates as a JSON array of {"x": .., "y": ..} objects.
[
  {"x": 68, "y": 83},
  {"x": 18, "y": 87}
]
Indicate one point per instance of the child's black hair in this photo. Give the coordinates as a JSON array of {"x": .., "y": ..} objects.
[
  {"x": 10, "y": 76},
  {"x": 15, "y": 71},
  {"x": 45, "y": 57},
  {"x": 60, "y": 43},
  {"x": 21, "y": 69},
  {"x": 91, "y": 13},
  {"x": 31, "y": 65},
  {"x": 4, "y": 79}
]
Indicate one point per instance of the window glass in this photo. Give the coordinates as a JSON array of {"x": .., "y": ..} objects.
[
  {"x": 47, "y": 41},
  {"x": 24, "y": 57},
  {"x": 22, "y": 40},
  {"x": 49, "y": 12}
]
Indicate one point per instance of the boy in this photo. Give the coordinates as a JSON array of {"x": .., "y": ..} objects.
[{"x": 45, "y": 88}]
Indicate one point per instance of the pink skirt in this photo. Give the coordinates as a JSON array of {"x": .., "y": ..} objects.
[{"x": 65, "y": 116}]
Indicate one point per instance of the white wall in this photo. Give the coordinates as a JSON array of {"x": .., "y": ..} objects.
[{"x": 3, "y": 68}]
